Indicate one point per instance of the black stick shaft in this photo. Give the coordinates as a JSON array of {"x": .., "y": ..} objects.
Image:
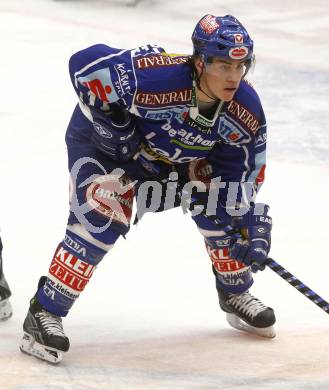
[
  {"x": 283, "y": 273},
  {"x": 300, "y": 286}
]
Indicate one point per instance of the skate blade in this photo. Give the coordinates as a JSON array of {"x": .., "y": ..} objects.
[
  {"x": 6, "y": 310},
  {"x": 239, "y": 324},
  {"x": 33, "y": 348}
]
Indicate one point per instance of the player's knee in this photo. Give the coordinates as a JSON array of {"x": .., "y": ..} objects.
[
  {"x": 102, "y": 240},
  {"x": 104, "y": 207}
]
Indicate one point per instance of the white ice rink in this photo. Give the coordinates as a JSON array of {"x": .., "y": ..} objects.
[{"x": 149, "y": 319}]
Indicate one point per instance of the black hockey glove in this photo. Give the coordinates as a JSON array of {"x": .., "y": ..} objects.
[
  {"x": 115, "y": 132},
  {"x": 256, "y": 226}
]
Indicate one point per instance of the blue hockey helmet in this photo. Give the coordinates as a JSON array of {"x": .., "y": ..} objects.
[{"x": 222, "y": 36}]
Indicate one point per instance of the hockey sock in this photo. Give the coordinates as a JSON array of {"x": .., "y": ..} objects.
[
  {"x": 231, "y": 276},
  {"x": 72, "y": 266}
]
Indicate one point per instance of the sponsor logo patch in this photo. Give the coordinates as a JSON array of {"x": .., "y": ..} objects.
[
  {"x": 112, "y": 196},
  {"x": 230, "y": 272},
  {"x": 238, "y": 39},
  {"x": 200, "y": 170},
  {"x": 239, "y": 278},
  {"x": 225, "y": 242},
  {"x": 243, "y": 116},
  {"x": 70, "y": 271},
  {"x": 261, "y": 137},
  {"x": 229, "y": 131},
  {"x": 222, "y": 261},
  {"x": 152, "y": 152},
  {"x": 238, "y": 53},
  {"x": 157, "y": 61},
  {"x": 75, "y": 245},
  {"x": 100, "y": 84},
  {"x": 187, "y": 139},
  {"x": 162, "y": 99},
  {"x": 122, "y": 83},
  {"x": 159, "y": 115}
]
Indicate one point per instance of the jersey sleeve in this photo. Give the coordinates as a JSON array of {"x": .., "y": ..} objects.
[
  {"x": 102, "y": 75},
  {"x": 242, "y": 166}
]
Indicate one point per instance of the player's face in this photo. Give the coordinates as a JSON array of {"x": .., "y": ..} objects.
[{"x": 221, "y": 78}]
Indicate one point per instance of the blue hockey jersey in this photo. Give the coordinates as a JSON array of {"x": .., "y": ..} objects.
[{"x": 158, "y": 88}]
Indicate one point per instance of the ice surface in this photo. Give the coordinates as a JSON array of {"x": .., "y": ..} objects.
[{"x": 149, "y": 319}]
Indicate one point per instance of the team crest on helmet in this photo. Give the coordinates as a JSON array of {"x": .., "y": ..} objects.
[{"x": 209, "y": 24}]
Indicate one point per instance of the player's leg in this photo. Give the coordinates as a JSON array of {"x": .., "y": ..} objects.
[
  {"x": 71, "y": 268},
  {"x": 6, "y": 310},
  {"x": 100, "y": 211},
  {"x": 233, "y": 281}
]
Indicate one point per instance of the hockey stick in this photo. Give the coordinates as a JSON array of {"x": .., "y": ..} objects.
[
  {"x": 277, "y": 268},
  {"x": 300, "y": 286}
]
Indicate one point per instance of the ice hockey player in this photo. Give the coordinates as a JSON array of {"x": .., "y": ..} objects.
[
  {"x": 6, "y": 310},
  {"x": 145, "y": 116}
]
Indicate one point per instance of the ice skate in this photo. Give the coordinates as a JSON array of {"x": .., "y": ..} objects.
[
  {"x": 44, "y": 336},
  {"x": 247, "y": 313},
  {"x": 6, "y": 311}
]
